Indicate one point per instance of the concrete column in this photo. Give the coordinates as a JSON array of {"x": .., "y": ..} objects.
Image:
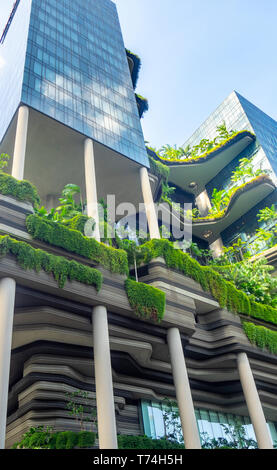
[
  {"x": 183, "y": 392},
  {"x": 7, "y": 296},
  {"x": 203, "y": 203},
  {"x": 253, "y": 402},
  {"x": 217, "y": 247},
  {"x": 91, "y": 188},
  {"x": 103, "y": 380},
  {"x": 149, "y": 204},
  {"x": 20, "y": 143}
]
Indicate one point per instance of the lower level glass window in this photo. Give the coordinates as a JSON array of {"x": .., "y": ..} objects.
[{"x": 161, "y": 419}]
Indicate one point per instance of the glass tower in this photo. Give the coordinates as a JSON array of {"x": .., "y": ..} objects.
[
  {"x": 73, "y": 68},
  {"x": 239, "y": 114}
]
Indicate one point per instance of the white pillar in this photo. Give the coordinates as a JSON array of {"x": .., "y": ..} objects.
[
  {"x": 217, "y": 247},
  {"x": 253, "y": 402},
  {"x": 91, "y": 188},
  {"x": 203, "y": 203},
  {"x": 20, "y": 143},
  {"x": 149, "y": 204},
  {"x": 103, "y": 380},
  {"x": 7, "y": 296},
  {"x": 183, "y": 392}
]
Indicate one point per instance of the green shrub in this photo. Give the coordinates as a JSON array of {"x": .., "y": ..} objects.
[
  {"x": 262, "y": 337},
  {"x": 73, "y": 241},
  {"x": 20, "y": 190},
  {"x": 61, "y": 268},
  {"x": 147, "y": 301},
  {"x": 38, "y": 438},
  {"x": 86, "y": 439},
  {"x": 78, "y": 223},
  {"x": 144, "y": 442},
  {"x": 225, "y": 292}
]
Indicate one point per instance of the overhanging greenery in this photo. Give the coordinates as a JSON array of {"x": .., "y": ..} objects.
[
  {"x": 137, "y": 65},
  {"x": 38, "y": 260},
  {"x": 262, "y": 337},
  {"x": 20, "y": 190},
  {"x": 147, "y": 301},
  {"x": 225, "y": 292},
  {"x": 73, "y": 241},
  {"x": 233, "y": 195},
  {"x": 143, "y": 105},
  {"x": 159, "y": 169},
  {"x": 204, "y": 156}
]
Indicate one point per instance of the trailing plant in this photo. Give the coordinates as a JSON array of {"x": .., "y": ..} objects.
[
  {"x": 20, "y": 190},
  {"x": 260, "y": 336},
  {"x": 147, "y": 301},
  {"x": 159, "y": 169},
  {"x": 143, "y": 105},
  {"x": 73, "y": 241},
  {"x": 225, "y": 292},
  {"x": 38, "y": 438},
  {"x": 38, "y": 260},
  {"x": 145, "y": 442}
]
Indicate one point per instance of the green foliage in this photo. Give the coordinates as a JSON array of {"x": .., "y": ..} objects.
[
  {"x": 78, "y": 223},
  {"x": 253, "y": 277},
  {"x": 61, "y": 268},
  {"x": 4, "y": 159},
  {"x": 200, "y": 151},
  {"x": 268, "y": 214},
  {"x": 159, "y": 169},
  {"x": 38, "y": 438},
  {"x": 73, "y": 241},
  {"x": 236, "y": 438},
  {"x": 82, "y": 412},
  {"x": 227, "y": 196},
  {"x": 147, "y": 301},
  {"x": 20, "y": 190},
  {"x": 144, "y": 442},
  {"x": 225, "y": 292},
  {"x": 262, "y": 337}
]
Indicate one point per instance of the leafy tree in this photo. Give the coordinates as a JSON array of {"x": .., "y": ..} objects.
[
  {"x": 82, "y": 412},
  {"x": 236, "y": 438}
]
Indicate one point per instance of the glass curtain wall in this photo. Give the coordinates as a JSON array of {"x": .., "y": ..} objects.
[{"x": 157, "y": 423}]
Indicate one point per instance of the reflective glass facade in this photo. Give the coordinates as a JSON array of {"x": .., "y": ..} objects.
[
  {"x": 76, "y": 71},
  {"x": 12, "y": 61},
  {"x": 209, "y": 422},
  {"x": 239, "y": 114}
]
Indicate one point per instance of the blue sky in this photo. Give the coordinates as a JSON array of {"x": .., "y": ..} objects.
[{"x": 194, "y": 53}]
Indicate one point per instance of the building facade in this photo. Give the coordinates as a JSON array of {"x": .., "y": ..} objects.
[
  {"x": 67, "y": 319},
  {"x": 239, "y": 114}
]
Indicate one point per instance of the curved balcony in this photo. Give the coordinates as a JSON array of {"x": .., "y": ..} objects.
[
  {"x": 193, "y": 174},
  {"x": 243, "y": 199}
]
